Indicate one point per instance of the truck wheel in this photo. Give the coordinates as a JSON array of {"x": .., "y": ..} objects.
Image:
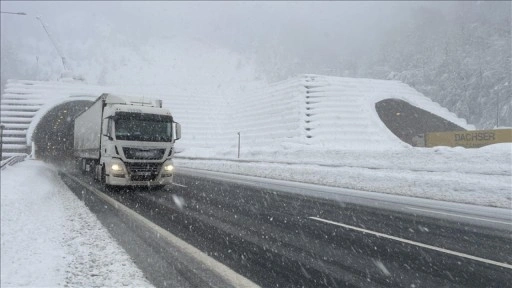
[
  {"x": 78, "y": 165},
  {"x": 103, "y": 180},
  {"x": 81, "y": 165},
  {"x": 103, "y": 177}
]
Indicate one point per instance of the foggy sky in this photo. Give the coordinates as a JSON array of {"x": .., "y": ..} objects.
[
  {"x": 454, "y": 45},
  {"x": 347, "y": 27}
]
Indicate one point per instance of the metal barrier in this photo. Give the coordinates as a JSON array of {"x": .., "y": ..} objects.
[{"x": 13, "y": 160}]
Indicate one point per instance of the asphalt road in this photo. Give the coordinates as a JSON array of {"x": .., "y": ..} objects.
[{"x": 281, "y": 239}]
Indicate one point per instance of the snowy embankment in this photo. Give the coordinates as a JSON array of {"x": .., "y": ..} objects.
[
  {"x": 50, "y": 238},
  {"x": 474, "y": 176},
  {"x": 326, "y": 130}
]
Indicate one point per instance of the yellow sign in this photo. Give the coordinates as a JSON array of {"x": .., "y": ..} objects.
[{"x": 468, "y": 139}]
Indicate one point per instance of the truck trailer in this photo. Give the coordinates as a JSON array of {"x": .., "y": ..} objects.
[{"x": 126, "y": 141}]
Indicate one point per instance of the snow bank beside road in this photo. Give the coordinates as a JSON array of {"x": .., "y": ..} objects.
[
  {"x": 473, "y": 176},
  {"x": 50, "y": 238}
]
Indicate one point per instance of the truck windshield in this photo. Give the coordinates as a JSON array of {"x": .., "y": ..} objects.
[{"x": 143, "y": 127}]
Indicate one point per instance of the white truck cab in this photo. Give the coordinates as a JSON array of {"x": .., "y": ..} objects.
[{"x": 127, "y": 141}]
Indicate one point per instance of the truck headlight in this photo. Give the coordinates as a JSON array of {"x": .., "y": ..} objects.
[
  {"x": 168, "y": 167},
  {"x": 116, "y": 167}
]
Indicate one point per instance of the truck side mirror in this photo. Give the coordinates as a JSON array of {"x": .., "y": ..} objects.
[
  {"x": 178, "y": 131},
  {"x": 108, "y": 133}
]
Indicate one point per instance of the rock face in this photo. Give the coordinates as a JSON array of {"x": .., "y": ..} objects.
[{"x": 407, "y": 121}]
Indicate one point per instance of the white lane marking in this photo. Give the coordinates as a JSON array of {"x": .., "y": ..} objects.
[
  {"x": 225, "y": 272},
  {"x": 179, "y": 185},
  {"x": 505, "y": 265},
  {"x": 462, "y": 216}
]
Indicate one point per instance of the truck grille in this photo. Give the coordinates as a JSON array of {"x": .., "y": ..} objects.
[
  {"x": 143, "y": 154},
  {"x": 143, "y": 171}
]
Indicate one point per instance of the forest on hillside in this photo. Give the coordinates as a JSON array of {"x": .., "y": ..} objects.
[
  {"x": 463, "y": 61},
  {"x": 459, "y": 55}
]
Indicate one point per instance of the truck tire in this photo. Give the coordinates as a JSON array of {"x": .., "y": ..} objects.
[
  {"x": 78, "y": 165},
  {"x": 103, "y": 180},
  {"x": 103, "y": 176},
  {"x": 81, "y": 165}
]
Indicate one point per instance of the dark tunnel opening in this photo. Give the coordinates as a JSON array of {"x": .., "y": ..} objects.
[
  {"x": 54, "y": 134},
  {"x": 407, "y": 121}
]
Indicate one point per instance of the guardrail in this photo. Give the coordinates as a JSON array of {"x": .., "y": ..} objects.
[{"x": 12, "y": 160}]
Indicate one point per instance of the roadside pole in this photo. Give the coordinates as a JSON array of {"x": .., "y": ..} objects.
[{"x": 238, "y": 144}]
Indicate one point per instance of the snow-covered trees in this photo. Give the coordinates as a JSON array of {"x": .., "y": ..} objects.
[
  {"x": 460, "y": 58},
  {"x": 457, "y": 53},
  {"x": 12, "y": 64}
]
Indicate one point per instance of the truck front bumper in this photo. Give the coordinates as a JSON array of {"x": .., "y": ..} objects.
[
  {"x": 126, "y": 181},
  {"x": 121, "y": 173}
]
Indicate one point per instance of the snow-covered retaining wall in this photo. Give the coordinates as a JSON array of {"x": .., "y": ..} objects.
[
  {"x": 341, "y": 114},
  {"x": 306, "y": 112},
  {"x": 310, "y": 112}
]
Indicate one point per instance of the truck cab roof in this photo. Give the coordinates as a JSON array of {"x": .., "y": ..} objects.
[
  {"x": 140, "y": 109},
  {"x": 131, "y": 100},
  {"x": 134, "y": 104}
]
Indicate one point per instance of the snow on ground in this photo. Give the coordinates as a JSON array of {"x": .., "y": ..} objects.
[
  {"x": 476, "y": 176},
  {"x": 50, "y": 238}
]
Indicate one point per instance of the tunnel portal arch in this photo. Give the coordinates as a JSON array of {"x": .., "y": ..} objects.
[{"x": 53, "y": 132}]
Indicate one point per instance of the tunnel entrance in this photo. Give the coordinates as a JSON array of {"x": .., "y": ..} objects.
[
  {"x": 407, "y": 121},
  {"x": 53, "y": 135}
]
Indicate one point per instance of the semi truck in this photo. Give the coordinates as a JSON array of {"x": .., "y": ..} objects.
[{"x": 126, "y": 141}]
